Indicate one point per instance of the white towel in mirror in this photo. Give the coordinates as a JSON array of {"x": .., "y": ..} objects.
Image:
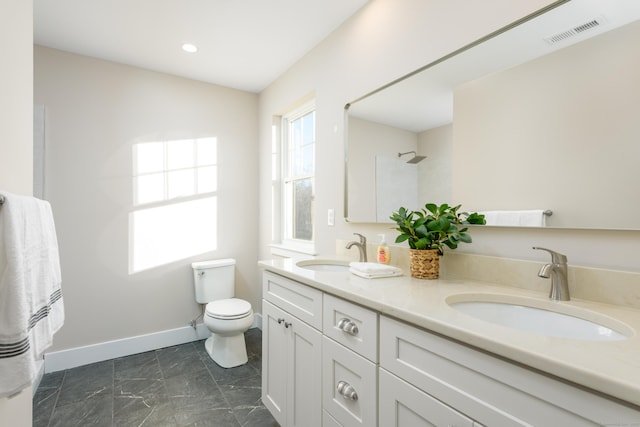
[{"x": 516, "y": 218}]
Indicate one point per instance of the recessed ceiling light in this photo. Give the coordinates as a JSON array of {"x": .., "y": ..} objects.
[{"x": 189, "y": 48}]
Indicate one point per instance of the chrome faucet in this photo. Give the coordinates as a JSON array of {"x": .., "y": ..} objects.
[
  {"x": 362, "y": 246},
  {"x": 557, "y": 271}
]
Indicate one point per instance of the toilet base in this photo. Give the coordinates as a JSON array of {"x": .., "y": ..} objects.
[{"x": 226, "y": 351}]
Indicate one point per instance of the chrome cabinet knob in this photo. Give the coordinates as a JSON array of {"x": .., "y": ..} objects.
[
  {"x": 347, "y": 391},
  {"x": 348, "y": 326}
]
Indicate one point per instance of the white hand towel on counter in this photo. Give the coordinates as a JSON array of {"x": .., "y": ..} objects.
[
  {"x": 31, "y": 306},
  {"x": 521, "y": 218},
  {"x": 372, "y": 270}
]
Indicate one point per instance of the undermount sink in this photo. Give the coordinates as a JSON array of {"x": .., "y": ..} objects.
[
  {"x": 541, "y": 317},
  {"x": 324, "y": 265}
]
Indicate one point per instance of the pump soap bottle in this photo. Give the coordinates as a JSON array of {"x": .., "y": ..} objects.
[{"x": 383, "y": 251}]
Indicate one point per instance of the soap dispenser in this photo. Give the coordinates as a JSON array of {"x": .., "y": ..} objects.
[{"x": 383, "y": 251}]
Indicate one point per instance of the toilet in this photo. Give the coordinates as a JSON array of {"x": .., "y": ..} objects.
[{"x": 226, "y": 317}]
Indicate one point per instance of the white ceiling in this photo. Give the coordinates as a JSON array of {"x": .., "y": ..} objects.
[{"x": 243, "y": 44}]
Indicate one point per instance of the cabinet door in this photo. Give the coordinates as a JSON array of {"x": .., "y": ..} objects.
[
  {"x": 349, "y": 386},
  {"x": 291, "y": 363},
  {"x": 403, "y": 405},
  {"x": 274, "y": 362},
  {"x": 304, "y": 375},
  {"x": 329, "y": 421}
]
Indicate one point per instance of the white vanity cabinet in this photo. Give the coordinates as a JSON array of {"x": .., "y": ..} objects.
[
  {"x": 333, "y": 363},
  {"x": 291, "y": 352}
]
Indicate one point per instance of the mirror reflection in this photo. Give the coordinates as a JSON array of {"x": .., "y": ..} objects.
[{"x": 537, "y": 126}]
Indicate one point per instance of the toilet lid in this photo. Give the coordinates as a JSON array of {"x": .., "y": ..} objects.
[{"x": 231, "y": 308}]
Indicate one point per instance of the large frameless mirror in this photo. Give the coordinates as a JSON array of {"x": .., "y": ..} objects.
[{"x": 543, "y": 116}]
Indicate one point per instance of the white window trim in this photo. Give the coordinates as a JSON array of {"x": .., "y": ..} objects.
[
  {"x": 291, "y": 250},
  {"x": 292, "y": 247}
]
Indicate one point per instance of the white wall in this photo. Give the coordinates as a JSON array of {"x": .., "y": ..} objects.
[
  {"x": 385, "y": 40},
  {"x": 434, "y": 182},
  {"x": 95, "y": 111},
  {"x": 368, "y": 140},
  {"x": 16, "y": 101},
  {"x": 16, "y": 139}
]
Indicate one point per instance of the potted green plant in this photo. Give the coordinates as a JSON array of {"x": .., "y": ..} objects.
[{"x": 428, "y": 230}]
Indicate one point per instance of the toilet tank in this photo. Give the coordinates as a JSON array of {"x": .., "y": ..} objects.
[{"x": 214, "y": 280}]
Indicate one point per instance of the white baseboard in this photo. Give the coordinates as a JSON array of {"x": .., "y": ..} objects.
[
  {"x": 257, "y": 321},
  {"x": 74, "y": 357},
  {"x": 36, "y": 382}
]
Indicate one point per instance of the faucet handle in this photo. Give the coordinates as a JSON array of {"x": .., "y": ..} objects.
[
  {"x": 363, "y": 239},
  {"x": 556, "y": 257}
]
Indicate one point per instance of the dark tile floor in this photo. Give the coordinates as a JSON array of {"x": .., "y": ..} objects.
[{"x": 173, "y": 386}]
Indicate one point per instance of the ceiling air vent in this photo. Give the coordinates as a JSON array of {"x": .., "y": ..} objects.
[{"x": 572, "y": 32}]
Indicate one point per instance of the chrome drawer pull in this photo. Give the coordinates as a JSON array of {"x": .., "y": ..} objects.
[
  {"x": 348, "y": 326},
  {"x": 347, "y": 391}
]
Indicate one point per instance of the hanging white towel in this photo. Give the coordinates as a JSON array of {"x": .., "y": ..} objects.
[
  {"x": 371, "y": 270},
  {"x": 517, "y": 218},
  {"x": 31, "y": 306}
]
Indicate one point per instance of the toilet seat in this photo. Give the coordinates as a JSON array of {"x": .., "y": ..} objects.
[{"x": 228, "y": 309}]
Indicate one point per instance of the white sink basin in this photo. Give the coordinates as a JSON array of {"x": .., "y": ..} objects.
[
  {"x": 541, "y": 317},
  {"x": 333, "y": 265}
]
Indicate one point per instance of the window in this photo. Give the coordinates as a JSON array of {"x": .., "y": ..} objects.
[
  {"x": 174, "y": 192},
  {"x": 298, "y": 168}
]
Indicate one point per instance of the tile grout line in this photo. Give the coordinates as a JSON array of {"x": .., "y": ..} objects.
[{"x": 55, "y": 404}]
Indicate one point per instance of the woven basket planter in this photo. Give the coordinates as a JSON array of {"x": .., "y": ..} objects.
[{"x": 425, "y": 264}]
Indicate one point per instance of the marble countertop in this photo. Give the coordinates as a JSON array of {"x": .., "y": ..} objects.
[{"x": 610, "y": 367}]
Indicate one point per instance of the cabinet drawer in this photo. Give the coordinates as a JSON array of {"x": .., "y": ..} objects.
[
  {"x": 351, "y": 325},
  {"x": 403, "y": 405},
  {"x": 349, "y": 386},
  {"x": 300, "y": 300},
  {"x": 476, "y": 383}
]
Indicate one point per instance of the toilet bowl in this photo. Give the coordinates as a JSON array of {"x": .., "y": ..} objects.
[
  {"x": 227, "y": 320},
  {"x": 225, "y": 316}
]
